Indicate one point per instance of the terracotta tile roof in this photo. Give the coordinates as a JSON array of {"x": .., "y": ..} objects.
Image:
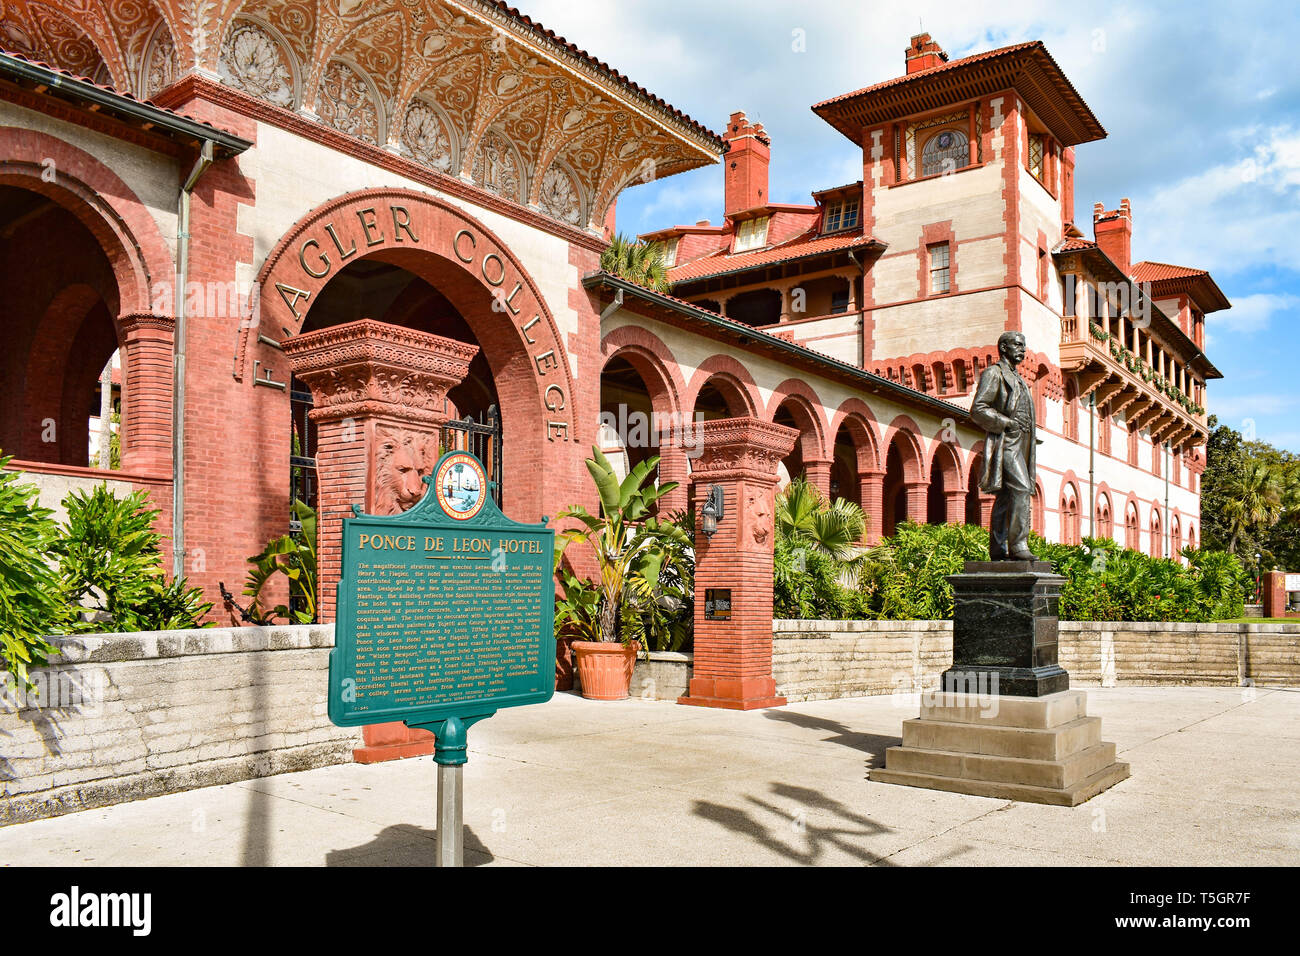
[
  {"x": 1075, "y": 244},
  {"x": 951, "y": 65},
  {"x": 572, "y": 48},
  {"x": 106, "y": 88},
  {"x": 808, "y": 244},
  {"x": 1026, "y": 66},
  {"x": 1147, "y": 271}
]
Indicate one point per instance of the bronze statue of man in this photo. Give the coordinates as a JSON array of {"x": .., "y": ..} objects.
[{"x": 1004, "y": 408}]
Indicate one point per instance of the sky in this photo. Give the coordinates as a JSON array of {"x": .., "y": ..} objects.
[{"x": 1201, "y": 103}]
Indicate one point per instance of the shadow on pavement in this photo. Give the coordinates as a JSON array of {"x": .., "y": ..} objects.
[
  {"x": 873, "y": 745},
  {"x": 788, "y": 829},
  {"x": 406, "y": 845}
]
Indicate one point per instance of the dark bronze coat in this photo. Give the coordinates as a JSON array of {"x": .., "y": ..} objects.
[{"x": 993, "y": 410}]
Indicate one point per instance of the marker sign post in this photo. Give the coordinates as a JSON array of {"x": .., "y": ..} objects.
[{"x": 445, "y": 616}]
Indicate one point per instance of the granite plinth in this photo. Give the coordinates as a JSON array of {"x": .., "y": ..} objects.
[
  {"x": 1005, "y": 623},
  {"x": 1036, "y": 750}
]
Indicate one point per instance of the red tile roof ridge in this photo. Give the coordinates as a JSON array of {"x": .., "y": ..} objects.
[
  {"x": 537, "y": 28},
  {"x": 951, "y": 64},
  {"x": 1148, "y": 267}
]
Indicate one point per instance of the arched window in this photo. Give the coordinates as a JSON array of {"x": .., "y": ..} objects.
[
  {"x": 1071, "y": 410},
  {"x": 1105, "y": 521},
  {"x": 1132, "y": 531},
  {"x": 1069, "y": 514},
  {"x": 945, "y": 151},
  {"x": 1175, "y": 538},
  {"x": 1157, "y": 535}
]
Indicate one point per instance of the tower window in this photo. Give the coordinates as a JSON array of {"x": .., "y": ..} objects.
[
  {"x": 944, "y": 152},
  {"x": 939, "y": 267},
  {"x": 1036, "y": 156}
]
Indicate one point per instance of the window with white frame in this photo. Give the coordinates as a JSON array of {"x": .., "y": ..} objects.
[
  {"x": 751, "y": 234},
  {"x": 841, "y": 215},
  {"x": 940, "y": 261}
]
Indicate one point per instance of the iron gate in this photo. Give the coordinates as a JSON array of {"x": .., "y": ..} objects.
[{"x": 480, "y": 436}]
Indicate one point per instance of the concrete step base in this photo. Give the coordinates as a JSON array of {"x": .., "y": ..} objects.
[{"x": 1081, "y": 792}]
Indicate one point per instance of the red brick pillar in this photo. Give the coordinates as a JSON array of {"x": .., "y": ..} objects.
[
  {"x": 672, "y": 467},
  {"x": 379, "y": 392},
  {"x": 147, "y": 390},
  {"x": 986, "y": 510},
  {"x": 871, "y": 492},
  {"x": 733, "y": 657},
  {"x": 955, "y": 507},
  {"x": 818, "y": 474},
  {"x": 918, "y": 501},
  {"x": 1273, "y": 584}
]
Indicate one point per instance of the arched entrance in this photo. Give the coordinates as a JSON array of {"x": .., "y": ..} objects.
[
  {"x": 79, "y": 305},
  {"x": 410, "y": 259}
]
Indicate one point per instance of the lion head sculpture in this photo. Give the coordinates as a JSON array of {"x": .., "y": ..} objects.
[{"x": 402, "y": 460}]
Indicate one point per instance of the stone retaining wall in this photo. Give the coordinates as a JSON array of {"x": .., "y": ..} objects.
[
  {"x": 822, "y": 659},
  {"x": 125, "y": 716}
]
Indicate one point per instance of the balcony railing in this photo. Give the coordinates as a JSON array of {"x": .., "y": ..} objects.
[{"x": 1121, "y": 379}]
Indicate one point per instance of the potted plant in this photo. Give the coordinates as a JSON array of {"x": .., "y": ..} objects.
[{"x": 629, "y": 545}]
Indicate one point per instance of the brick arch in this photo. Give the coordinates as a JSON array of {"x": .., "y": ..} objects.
[
  {"x": 739, "y": 385},
  {"x": 107, "y": 206},
  {"x": 911, "y": 449},
  {"x": 652, "y": 359},
  {"x": 1071, "y": 521},
  {"x": 946, "y": 458},
  {"x": 856, "y": 415},
  {"x": 805, "y": 405},
  {"x": 481, "y": 278}
]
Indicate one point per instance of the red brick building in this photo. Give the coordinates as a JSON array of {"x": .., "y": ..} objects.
[{"x": 404, "y": 204}]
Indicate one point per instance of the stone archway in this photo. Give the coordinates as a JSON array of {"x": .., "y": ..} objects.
[{"x": 487, "y": 285}]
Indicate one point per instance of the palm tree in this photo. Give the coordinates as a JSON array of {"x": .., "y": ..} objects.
[
  {"x": 835, "y": 529},
  {"x": 628, "y": 543},
  {"x": 1254, "y": 500},
  {"x": 637, "y": 262}
]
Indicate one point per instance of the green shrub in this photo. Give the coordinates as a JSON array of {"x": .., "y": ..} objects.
[
  {"x": 110, "y": 561},
  {"x": 31, "y": 601},
  {"x": 906, "y": 574}
]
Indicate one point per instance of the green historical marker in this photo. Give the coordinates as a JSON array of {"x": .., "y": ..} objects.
[{"x": 445, "y": 616}]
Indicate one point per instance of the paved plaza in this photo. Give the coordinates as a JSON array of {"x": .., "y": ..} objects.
[{"x": 1215, "y": 781}]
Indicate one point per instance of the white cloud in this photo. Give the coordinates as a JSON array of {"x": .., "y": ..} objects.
[
  {"x": 1237, "y": 215},
  {"x": 1242, "y": 407},
  {"x": 1250, "y": 314}
]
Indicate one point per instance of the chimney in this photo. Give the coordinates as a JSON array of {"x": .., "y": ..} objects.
[
  {"x": 1113, "y": 229},
  {"x": 746, "y": 160},
  {"x": 924, "y": 54}
]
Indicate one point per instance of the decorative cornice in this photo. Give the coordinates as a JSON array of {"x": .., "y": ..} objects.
[
  {"x": 368, "y": 368},
  {"x": 196, "y": 87},
  {"x": 742, "y": 448},
  {"x": 133, "y": 322}
]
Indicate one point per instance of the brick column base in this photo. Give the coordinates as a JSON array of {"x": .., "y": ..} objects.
[
  {"x": 379, "y": 392},
  {"x": 733, "y": 657}
]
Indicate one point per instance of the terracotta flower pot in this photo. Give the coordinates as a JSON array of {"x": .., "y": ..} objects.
[{"x": 604, "y": 668}]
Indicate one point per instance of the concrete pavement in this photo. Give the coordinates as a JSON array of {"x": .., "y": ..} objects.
[{"x": 1216, "y": 781}]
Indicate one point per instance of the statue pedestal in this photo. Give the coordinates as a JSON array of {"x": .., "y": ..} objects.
[
  {"x": 1032, "y": 749},
  {"x": 1005, "y": 723},
  {"x": 1004, "y": 630}
]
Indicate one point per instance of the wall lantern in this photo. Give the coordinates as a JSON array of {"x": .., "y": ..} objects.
[{"x": 714, "y": 510}]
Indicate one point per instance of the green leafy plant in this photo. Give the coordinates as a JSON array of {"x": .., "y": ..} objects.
[
  {"x": 835, "y": 529},
  {"x": 631, "y": 545},
  {"x": 31, "y": 599},
  {"x": 293, "y": 556},
  {"x": 906, "y": 574},
  {"x": 637, "y": 262},
  {"x": 110, "y": 562}
]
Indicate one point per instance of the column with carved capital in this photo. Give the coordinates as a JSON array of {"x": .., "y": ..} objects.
[
  {"x": 147, "y": 392},
  {"x": 733, "y": 569},
  {"x": 379, "y": 393}
]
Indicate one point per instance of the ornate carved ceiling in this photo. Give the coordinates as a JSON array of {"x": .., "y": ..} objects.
[{"x": 465, "y": 87}]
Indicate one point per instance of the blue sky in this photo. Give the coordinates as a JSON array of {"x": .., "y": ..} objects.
[{"x": 1201, "y": 102}]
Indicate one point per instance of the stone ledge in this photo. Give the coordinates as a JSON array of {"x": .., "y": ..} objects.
[{"x": 156, "y": 645}]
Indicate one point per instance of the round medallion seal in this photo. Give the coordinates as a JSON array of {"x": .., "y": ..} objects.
[{"x": 461, "y": 486}]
